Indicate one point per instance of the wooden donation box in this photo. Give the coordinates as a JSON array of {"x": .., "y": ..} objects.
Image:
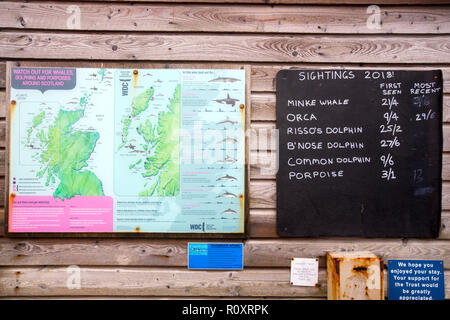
[{"x": 354, "y": 276}]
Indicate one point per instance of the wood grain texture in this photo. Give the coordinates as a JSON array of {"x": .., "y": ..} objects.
[
  {"x": 2, "y": 103},
  {"x": 263, "y": 224},
  {"x": 222, "y": 18},
  {"x": 155, "y": 252},
  {"x": 287, "y": 2},
  {"x": 241, "y": 47},
  {"x": 271, "y": 38},
  {"x": 130, "y": 297},
  {"x": 2, "y": 133},
  {"x": 2, "y": 222},
  {"x": 2, "y": 74},
  {"x": 52, "y": 281}
]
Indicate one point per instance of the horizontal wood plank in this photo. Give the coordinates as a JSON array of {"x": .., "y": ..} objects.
[
  {"x": 222, "y": 18},
  {"x": 164, "y": 252},
  {"x": 242, "y": 47},
  {"x": 53, "y": 281},
  {"x": 286, "y": 2},
  {"x": 153, "y": 282},
  {"x": 263, "y": 224},
  {"x": 130, "y": 297}
]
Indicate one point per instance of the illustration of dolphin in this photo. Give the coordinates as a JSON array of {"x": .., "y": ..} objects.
[
  {"x": 224, "y": 79},
  {"x": 227, "y": 100},
  {"x": 227, "y": 194},
  {"x": 228, "y": 159},
  {"x": 228, "y": 140},
  {"x": 226, "y": 178},
  {"x": 229, "y": 211},
  {"x": 227, "y": 120}
]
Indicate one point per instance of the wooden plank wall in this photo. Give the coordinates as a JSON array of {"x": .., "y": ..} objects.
[{"x": 268, "y": 37}]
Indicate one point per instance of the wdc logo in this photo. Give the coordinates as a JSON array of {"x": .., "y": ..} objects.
[{"x": 199, "y": 227}]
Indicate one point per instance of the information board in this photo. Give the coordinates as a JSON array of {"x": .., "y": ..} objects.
[
  {"x": 360, "y": 153},
  {"x": 416, "y": 280},
  {"x": 216, "y": 256},
  {"x": 100, "y": 150}
]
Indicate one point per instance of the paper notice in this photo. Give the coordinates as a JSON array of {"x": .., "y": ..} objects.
[{"x": 304, "y": 271}]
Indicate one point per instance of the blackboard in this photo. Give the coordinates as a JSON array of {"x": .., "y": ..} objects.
[{"x": 360, "y": 153}]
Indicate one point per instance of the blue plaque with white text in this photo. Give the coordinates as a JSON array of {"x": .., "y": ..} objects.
[
  {"x": 416, "y": 280},
  {"x": 219, "y": 256}
]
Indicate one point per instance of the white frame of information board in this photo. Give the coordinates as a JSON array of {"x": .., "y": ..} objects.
[{"x": 245, "y": 113}]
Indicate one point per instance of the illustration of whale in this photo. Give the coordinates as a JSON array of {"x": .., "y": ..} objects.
[
  {"x": 224, "y": 79},
  {"x": 227, "y": 100}
]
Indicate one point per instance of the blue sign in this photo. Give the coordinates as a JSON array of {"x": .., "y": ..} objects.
[
  {"x": 416, "y": 280},
  {"x": 219, "y": 256}
]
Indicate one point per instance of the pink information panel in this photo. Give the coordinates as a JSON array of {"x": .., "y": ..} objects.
[{"x": 47, "y": 214}]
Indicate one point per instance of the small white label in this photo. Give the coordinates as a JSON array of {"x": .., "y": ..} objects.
[{"x": 304, "y": 272}]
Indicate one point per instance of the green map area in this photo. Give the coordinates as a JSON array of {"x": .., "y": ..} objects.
[
  {"x": 139, "y": 104},
  {"x": 64, "y": 152},
  {"x": 165, "y": 161},
  {"x": 160, "y": 143},
  {"x": 37, "y": 120}
]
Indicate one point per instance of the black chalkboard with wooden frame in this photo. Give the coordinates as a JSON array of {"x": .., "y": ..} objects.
[{"x": 360, "y": 153}]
